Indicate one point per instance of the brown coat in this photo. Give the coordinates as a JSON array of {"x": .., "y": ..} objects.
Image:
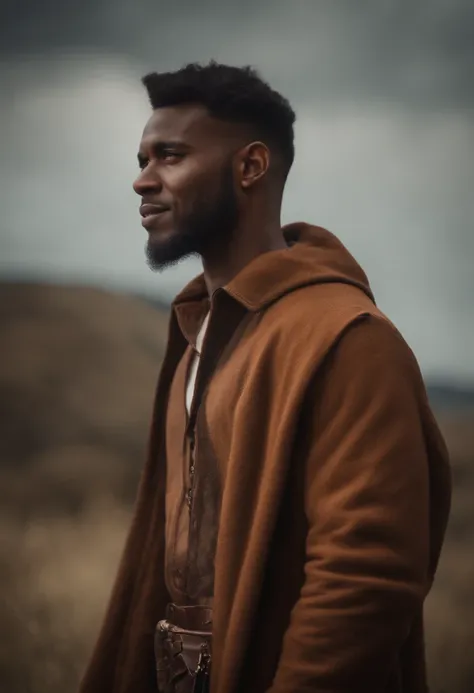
[{"x": 336, "y": 488}]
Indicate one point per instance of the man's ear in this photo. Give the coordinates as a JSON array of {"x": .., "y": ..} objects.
[{"x": 254, "y": 162}]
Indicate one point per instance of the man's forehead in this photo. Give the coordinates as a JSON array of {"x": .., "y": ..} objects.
[
  {"x": 178, "y": 122},
  {"x": 190, "y": 123}
]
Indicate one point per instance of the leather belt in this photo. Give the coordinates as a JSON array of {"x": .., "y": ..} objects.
[{"x": 183, "y": 649}]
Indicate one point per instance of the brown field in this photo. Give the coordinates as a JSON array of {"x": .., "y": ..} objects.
[{"x": 77, "y": 372}]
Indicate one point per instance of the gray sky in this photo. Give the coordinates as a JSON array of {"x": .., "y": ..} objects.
[{"x": 384, "y": 140}]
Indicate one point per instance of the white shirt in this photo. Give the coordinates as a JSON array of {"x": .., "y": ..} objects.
[{"x": 195, "y": 364}]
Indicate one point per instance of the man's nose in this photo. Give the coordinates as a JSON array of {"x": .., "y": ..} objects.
[{"x": 146, "y": 182}]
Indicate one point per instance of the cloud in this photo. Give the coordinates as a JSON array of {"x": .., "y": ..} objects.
[
  {"x": 68, "y": 163},
  {"x": 397, "y": 190},
  {"x": 419, "y": 53}
]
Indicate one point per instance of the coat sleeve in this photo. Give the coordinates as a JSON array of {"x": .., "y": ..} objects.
[{"x": 367, "y": 507}]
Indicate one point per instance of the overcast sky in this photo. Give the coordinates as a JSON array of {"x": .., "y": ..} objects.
[{"x": 384, "y": 141}]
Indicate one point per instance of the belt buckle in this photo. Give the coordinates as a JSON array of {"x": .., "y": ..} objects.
[{"x": 163, "y": 627}]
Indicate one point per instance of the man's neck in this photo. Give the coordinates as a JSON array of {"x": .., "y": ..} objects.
[{"x": 220, "y": 269}]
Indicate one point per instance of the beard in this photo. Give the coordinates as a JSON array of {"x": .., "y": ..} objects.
[{"x": 207, "y": 227}]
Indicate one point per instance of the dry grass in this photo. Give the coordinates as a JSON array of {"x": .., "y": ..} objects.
[
  {"x": 77, "y": 373},
  {"x": 450, "y": 606},
  {"x": 450, "y": 622},
  {"x": 56, "y": 575}
]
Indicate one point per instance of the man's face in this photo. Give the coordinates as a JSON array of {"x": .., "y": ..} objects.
[{"x": 189, "y": 202}]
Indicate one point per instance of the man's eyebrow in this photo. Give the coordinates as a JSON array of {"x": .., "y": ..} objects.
[{"x": 161, "y": 146}]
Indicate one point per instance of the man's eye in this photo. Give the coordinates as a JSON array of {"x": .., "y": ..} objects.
[
  {"x": 142, "y": 164},
  {"x": 171, "y": 156}
]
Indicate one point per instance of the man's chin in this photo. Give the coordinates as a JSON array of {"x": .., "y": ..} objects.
[{"x": 166, "y": 252}]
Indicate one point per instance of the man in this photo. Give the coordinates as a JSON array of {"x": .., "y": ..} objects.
[{"x": 292, "y": 510}]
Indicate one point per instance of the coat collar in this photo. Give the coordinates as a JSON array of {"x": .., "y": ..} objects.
[{"x": 314, "y": 255}]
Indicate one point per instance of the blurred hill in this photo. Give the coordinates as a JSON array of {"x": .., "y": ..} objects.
[{"x": 78, "y": 368}]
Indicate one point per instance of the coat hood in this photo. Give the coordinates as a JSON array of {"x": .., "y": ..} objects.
[{"x": 314, "y": 256}]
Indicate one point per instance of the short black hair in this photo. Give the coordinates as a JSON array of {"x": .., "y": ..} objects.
[{"x": 235, "y": 94}]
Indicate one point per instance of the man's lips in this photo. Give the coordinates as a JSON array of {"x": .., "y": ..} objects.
[
  {"x": 147, "y": 209},
  {"x": 151, "y": 213}
]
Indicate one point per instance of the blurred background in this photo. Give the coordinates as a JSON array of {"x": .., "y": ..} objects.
[{"x": 384, "y": 96}]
